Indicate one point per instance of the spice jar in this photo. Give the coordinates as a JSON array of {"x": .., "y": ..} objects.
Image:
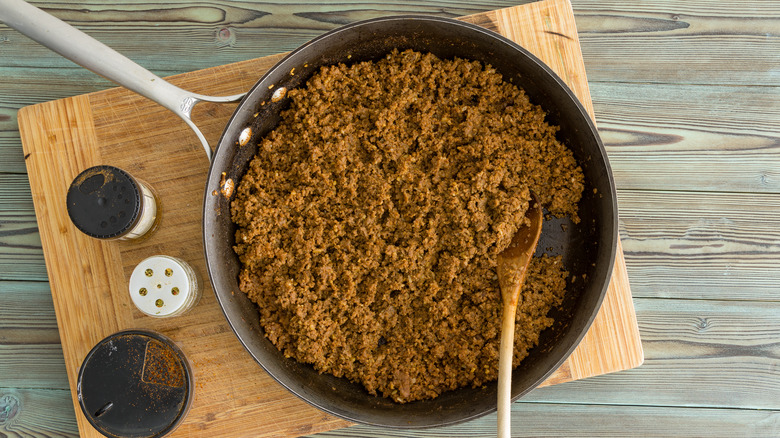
[
  {"x": 106, "y": 202},
  {"x": 135, "y": 383},
  {"x": 164, "y": 286}
]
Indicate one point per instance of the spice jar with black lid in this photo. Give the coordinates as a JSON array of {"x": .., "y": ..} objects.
[
  {"x": 135, "y": 383},
  {"x": 106, "y": 202}
]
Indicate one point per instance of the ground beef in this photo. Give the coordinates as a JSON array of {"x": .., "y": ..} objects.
[{"x": 370, "y": 220}]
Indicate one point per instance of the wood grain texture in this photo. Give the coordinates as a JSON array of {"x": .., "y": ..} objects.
[
  {"x": 34, "y": 413},
  {"x": 13, "y": 161},
  {"x": 219, "y": 33},
  {"x": 699, "y": 354},
  {"x": 657, "y": 136},
  {"x": 65, "y": 136},
  {"x": 702, "y": 245},
  {"x": 588, "y": 421},
  {"x": 21, "y": 303},
  {"x": 29, "y": 339},
  {"x": 731, "y": 43},
  {"x": 21, "y": 360},
  {"x": 21, "y": 256}
]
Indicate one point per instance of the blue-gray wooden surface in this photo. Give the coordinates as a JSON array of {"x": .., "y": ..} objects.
[{"x": 687, "y": 99}]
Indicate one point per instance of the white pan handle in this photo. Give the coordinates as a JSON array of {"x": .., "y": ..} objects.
[{"x": 93, "y": 55}]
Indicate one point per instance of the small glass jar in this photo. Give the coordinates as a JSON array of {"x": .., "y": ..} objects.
[
  {"x": 106, "y": 202},
  {"x": 135, "y": 383},
  {"x": 162, "y": 286}
]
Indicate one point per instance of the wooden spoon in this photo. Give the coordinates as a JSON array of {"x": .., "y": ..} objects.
[{"x": 512, "y": 265}]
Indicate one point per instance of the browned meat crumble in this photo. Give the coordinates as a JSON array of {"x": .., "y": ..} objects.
[{"x": 370, "y": 220}]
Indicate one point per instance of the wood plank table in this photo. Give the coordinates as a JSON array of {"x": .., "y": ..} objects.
[{"x": 687, "y": 99}]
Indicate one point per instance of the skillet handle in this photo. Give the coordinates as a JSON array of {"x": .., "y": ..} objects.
[{"x": 93, "y": 55}]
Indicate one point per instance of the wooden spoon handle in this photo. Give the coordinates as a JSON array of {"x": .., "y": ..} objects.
[{"x": 505, "y": 353}]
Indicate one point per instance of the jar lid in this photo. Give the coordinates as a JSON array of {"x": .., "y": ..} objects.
[
  {"x": 135, "y": 383},
  {"x": 163, "y": 286},
  {"x": 104, "y": 202}
]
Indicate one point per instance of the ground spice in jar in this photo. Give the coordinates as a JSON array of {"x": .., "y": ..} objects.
[
  {"x": 370, "y": 220},
  {"x": 162, "y": 366},
  {"x": 135, "y": 383}
]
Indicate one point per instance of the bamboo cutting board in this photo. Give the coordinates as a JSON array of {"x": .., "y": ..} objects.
[{"x": 233, "y": 395}]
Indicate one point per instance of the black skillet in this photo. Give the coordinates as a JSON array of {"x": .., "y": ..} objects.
[{"x": 588, "y": 248}]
